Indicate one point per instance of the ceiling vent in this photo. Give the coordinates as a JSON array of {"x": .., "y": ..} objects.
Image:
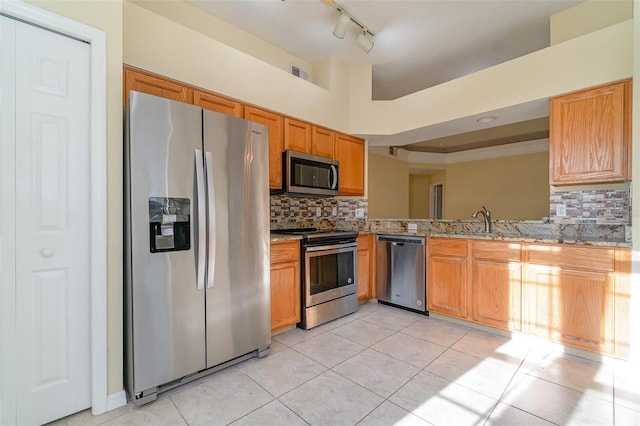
[{"x": 299, "y": 72}]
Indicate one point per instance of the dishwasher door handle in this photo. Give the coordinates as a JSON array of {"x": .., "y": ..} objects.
[{"x": 397, "y": 244}]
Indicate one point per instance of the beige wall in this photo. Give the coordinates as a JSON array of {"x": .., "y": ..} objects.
[
  {"x": 217, "y": 29},
  {"x": 588, "y": 17},
  {"x": 107, "y": 16},
  {"x": 388, "y": 187},
  {"x": 419, "y": 196},
  {"x": 149, "y": 39},
  {"x": 511, "y": 187}
]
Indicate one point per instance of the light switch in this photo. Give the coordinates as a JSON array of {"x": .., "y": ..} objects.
[{"x": 318, "y": 211}]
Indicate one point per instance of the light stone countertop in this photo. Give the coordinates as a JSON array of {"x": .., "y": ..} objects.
[{"x": 503, "y": 230}]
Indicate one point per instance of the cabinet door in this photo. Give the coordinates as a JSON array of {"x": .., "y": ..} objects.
[
  {"x": 350, "y": 153},
  {"x": 322, "y": 142},
  {"x": 217, "y": 103},
  {"x": 275, "y": 124},
  {"x": 285, "y": 294},
  {"x": 155, "y": 85},
  {"x": 590, "y": 137},
  {"x": 496, "y": 293},
  {"x": 365, "y": 267},
  {"x": 447, "y": 285},
  {"x": 297, "y": 135},
  {"x": 572, "y": 307}
]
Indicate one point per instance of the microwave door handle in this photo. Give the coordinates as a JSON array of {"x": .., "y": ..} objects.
[
  {"x": 211, "y": 222},
  {"x": 202, "y": 221},
  {"x": 333, "y": 173}
]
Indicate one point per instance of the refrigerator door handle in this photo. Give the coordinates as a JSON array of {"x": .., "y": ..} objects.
[
  {"x": 202, "y": 221},
  {"x": 211, "y": 208}
]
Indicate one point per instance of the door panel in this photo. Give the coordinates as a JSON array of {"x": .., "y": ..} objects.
[
  {"x": 52, "y": 204},
  {"x": 167, "y": 328},
  {"x": 238, "y": 310}
]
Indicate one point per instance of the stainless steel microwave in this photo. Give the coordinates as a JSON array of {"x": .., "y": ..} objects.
[{"x": 311, "y": 175}]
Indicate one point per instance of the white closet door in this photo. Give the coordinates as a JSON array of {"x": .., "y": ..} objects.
[{"x": 52, "y": 212}]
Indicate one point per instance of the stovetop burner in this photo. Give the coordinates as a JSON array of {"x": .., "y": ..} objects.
[{"x": 316, "y": 234}]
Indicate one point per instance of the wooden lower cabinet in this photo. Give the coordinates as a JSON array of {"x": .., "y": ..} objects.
[
  {"x": 447, "y": 276},
  {"x": 285, "y": 284},
  {"x": 366, "y": 267},
  {"x": 575, "y": 295},
  {"x": 496, "y": 284},
  {"x": 578, "y": 296}
]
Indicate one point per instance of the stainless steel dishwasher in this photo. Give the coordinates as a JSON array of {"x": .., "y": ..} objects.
[{"x": 401, "y": 271}]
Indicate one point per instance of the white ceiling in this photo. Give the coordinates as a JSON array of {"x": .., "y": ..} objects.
[{"x": 418, "y": 43}]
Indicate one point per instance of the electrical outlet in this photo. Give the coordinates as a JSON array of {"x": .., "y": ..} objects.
[
  {"x": 561, "y": 210},
  {"x": 360, "y": 212},
  {"x": 412, "y": 227},
  {"x": 334, "y": 211},
  {"x": 318, "y": 211}
]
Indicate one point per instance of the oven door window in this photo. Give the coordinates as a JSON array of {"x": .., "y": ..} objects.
[{"x": 330, "y": 271}]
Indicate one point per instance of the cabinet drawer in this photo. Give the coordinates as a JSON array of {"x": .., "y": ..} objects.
[
  {"x": 590, "y": 258},
  {"x": 496, "y": 250},
  {"x": 447, "y": 247},
  {"x": 284, "y": 251}
]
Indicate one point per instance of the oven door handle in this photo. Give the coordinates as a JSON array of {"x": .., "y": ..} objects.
[{"x": 334, "y": 248}]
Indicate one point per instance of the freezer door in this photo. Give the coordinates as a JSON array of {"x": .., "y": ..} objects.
[
  {"x": 237, "y": 293},
  {"x": 165, "y": 323}
]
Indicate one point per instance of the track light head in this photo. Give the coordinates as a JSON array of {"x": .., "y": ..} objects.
[
  {"x": 341, "y": 24},
  {"x": 364, "y": 40}
]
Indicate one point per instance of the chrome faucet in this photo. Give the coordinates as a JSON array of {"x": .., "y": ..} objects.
[{"x": 487, "y": 218}]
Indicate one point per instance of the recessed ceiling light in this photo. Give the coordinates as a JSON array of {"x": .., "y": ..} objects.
[{"x": 487, "y": 119}]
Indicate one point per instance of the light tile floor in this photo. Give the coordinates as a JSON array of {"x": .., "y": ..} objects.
[{"x": 387, "y": 366}]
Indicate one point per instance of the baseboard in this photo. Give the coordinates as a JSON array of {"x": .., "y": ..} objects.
[{"x": 116, "y": 400}]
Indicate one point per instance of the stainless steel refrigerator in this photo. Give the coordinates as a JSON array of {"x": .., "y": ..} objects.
[{"x": 197, "y": 294}]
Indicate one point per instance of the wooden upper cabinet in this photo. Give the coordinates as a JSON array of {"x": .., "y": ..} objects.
[
  {"x": 276, "y": 143},
  {"x": 217, "y": 103},
  {"x": 323, "y": 142},
  {"x": 350, "y": 153},
  {"x": 152, "y": 84},
  {"x": 590, "y": 135},
  {"x": 297, "y": 135}
]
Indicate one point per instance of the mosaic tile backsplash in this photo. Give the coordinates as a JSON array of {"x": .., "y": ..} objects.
[
  {"x": 601, "y": 207},
  {"x": 300, "y": 212}
]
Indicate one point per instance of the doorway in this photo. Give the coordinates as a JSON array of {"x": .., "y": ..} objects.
[{"x": 436, "y": 197}]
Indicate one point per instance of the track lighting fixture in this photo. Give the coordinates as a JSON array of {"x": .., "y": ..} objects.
[
  {"x": 341, "y": 25},
  {"x": 365, "y": 38},
  {"x": 365, "y": 41}
]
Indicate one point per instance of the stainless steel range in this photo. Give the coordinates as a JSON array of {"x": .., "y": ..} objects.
[{"x": 329, "y": 277}]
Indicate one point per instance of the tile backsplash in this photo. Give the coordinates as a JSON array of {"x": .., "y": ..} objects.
[
  {"x": 601, "y": 207},
  {"x": 294, "y": 212}
]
